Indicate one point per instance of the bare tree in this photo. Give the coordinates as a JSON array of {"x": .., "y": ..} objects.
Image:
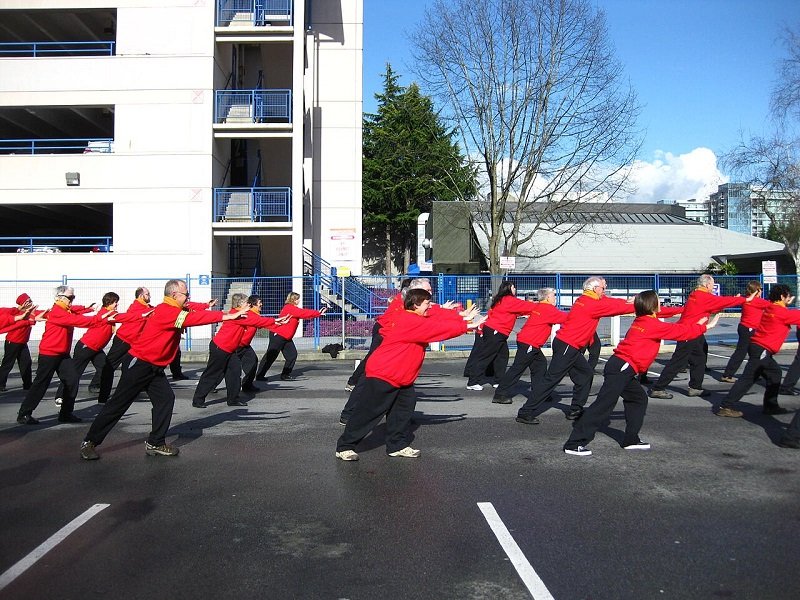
[{"x": 541, "y": 106}]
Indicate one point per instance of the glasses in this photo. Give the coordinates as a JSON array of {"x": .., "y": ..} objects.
[
  {"x": 70, "y": 298},
  {"x": 184, "y": 293}
]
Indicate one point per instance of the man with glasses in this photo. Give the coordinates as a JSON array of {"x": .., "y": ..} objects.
[
  {"x": 54, "y": 356},
  {"x": 149, "y": 356},
  {"x": 569, "y": 346}
]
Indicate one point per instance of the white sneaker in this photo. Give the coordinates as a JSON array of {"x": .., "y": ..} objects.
[
  {"x": 347, "y": 455},
  {"x": 59, "y": 401},
  {"x": 407, "y": 452},
  {"x": 349, "y": 388},
  {"x": 640, "y": 445},
  {"x": 579, "y": 451},
  {"x": 476, "y": 387},
  {"x": 495, "y": 385}
]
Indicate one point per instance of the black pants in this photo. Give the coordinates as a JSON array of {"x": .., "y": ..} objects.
[
  {"x": 216, "y": 370},
  {"x": 358, "y": 373},
  {"x": 278, "y": 343},
  {"x": 793, "y": 374},
  {"x": 527, "y": 358},
  {"x": 139, "y": 376},
  {"x": 375, "y": 399},
  {"x": 492, "y": 348},
  {"x": 759, "y": 364},
  {"x": 115, "y": 357},
  {"x": 248, "y": 364},
  {"x": 46, "y": 367},
  {"x": 19, "y": 353},
  {"x": 566, "y": 360},
  {"x": 691, "y": 352},
  {"x": 735, "y": 361},
  {"x": 175, "y": 365},
  {"x": 619, "y": 380},
  {"x": 594, "y": 348},
  {"x": 81, "y": 357}
]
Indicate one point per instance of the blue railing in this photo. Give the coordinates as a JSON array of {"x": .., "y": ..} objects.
[
  {"x": 57, "y": 146},
  {"x": 54, "y": 245},
  {"x": 253, "y": 106},
  {"x": 256, "y": 204},
  {"x": 253, "y": 12},
  {"x": 48, "y": 49}
]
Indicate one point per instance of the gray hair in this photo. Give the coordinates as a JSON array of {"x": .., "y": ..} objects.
[
  {"x": 592, "y": 282},
  {"x": 173, "y": 285},
  {"x": 65, "y": 290},
  {"x": 704, "y": 280},
  {"x": 543, "y": 293},
  {"x": 238, "y": 300},
  {"x": 420, "y": 283}
]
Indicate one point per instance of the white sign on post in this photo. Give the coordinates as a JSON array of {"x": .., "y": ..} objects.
[
  {"x": 770, "y": 270},
  {"x": 508, "y": 262}
]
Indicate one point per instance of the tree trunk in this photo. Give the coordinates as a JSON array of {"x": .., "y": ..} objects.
[{"x": 388, "y": 240}]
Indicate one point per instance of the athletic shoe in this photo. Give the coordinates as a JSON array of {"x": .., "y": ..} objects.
[
  {"x": 58, "y": 401},
  {"x": 27, "y": 420},
  {"x": 475, "y": 387},
  {"x": 574, "y": 413},
  {"x": 726, "y": 379},
  {"x": 527, "y": 420},
  {"x": 347, "y": 455},
  {"x": 659, "y": 394},
  {"x": 94, "y": 389},
  {"x": 501, "y": 400},
  {"x": 69, "y": 419},
  {"x": 693, "y": 393},
  {"x": 288, "y": 378},
  {"x": 579, "y": 451},
  {"x": 495, "y": 385},
  {"x": 729, "y": 412},
  {"x": 349, "y": 388},
  {"x": 640, "y": 445},
  {"x": 776, "y": 410},
  {"x": 787, "y": 442},
  {"x": 407, "y": 452},
  {"x": 162, "y": 450},
  {"x": 342, "y": 422},
  {"x": 88, "y": 451}
]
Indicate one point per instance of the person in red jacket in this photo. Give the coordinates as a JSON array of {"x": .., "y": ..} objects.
[
  {"x": 246, "y": 359},
  {"x": 54, "y": 349},
  {"x": 223, "y": 348},
  {"x": 633, "y": 356},
  {"x": 492, "y": 346},
  {"x": 751, "y": 317},
  {"x": 150, "y": 354},
  {"x": 775, "y": 324},
  {"x": 569, "y": 346},
  {"x": 280, "y": 339},
  {"x": 388, "y": 388},
  {"x": 701, "y": 303},
  {"x": 15, "y": 348},
  {"x": 89, "y": 349},
  {"x": 533, "y": 335}
]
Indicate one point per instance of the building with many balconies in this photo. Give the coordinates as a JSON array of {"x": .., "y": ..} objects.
[{"x": 163, "y": 137}]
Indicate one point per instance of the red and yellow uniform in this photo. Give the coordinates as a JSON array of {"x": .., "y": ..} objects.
[
  {"x": 538, "y": 326},
  {"x": 643, "y": 340},
  {"x": 586, "y": 312}
]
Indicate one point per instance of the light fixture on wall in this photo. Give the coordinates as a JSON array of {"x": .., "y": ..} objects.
[{"x": 73, "y": 178}]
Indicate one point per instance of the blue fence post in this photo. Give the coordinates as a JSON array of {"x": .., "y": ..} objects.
[
  {"x": 188, "y": 330},
  {"x": 440, "y": 288},
  {"x": 558, "y": 289},
  {"x": 317, "y": 294}
]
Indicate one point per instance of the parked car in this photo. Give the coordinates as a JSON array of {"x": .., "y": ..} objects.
[{"x": 39, "y": 249}]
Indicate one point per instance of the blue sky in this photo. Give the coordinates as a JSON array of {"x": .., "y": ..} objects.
[{"x": 702, "y": 70}]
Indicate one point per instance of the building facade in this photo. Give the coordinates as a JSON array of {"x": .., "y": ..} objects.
[
  {"x": 697, "y": 210},
  {"x": 157, "y": 138},
  {"x": 739, "y": 207}
]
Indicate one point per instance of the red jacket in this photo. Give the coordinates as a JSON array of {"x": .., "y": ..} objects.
[
  {"x": 61, "y": 323},
  {"x": 641, "y": 343},
  {"x": 701, "y": 303},
  {"x": 159, "y": 340},
  {"x": 752, "y": 312},
  {"x": 586, "y": 312},
  {"x": 396, "y": 305},
  {"x": 503, "y": 316},
  {"x": 253, "y": 322},
  {"x": 98, "y": 334},
  {"x": 775, "y": 325},
  {"x": 287, "y": 330},
  {"x": 20, "y": 333},
  {"x": 128, "y": 332},
  {"x": 398, "y": 359},
  {"x": 539, "y": 324},
  {"x": 231, "y": 335}
]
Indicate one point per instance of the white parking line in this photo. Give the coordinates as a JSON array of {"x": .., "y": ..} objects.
[
  {"x": 27, "y": 562},
  {"x": 529, "y": 577}
]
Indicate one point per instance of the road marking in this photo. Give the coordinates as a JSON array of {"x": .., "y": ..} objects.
[
  {"x": 718, "y": 355},
  {"x": 529, "y": 577},
  {"x": 58, "y": 537}
]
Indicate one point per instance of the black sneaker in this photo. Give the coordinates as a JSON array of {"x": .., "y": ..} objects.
[
  {"x": 579, "y": 451},
  {"x": 637, "y": 445},
  {"x": 574, "y": 413},
  {"x": 199, "y": 404},
  {"x": 70, "y": 418},
  {"x": 88, "y": 451},
  {"x": 288, "y": 378},
  {"x": 237, "y": 403},
  {"x": 27, "y": 420},
  {"x": 788, "y": 442},
  {"x": 527, "y": 419},
  {"x": 501, "y": 400}
]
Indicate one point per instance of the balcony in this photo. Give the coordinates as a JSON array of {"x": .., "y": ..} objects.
[
  {"x": 255, "y": 205},
  {"x": 51, "y": 49},
  {"x": 256, "y": 111},
  {"x": 253, "y": 13},
  {"x": 57, "y": 146}
]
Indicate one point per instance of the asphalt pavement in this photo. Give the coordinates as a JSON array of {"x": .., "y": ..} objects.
[{"x": 257, "y": 506}]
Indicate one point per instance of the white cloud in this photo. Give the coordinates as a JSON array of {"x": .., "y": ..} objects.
[{"x": 670, "y": 177}]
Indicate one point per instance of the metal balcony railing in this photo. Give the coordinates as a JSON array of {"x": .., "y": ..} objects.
[
  {"x": 55, "y": 245},
  {"x": 253, "y": 13},
  {"x": 255, "y": 204},
  {"x": 253, "y": 106},
  {"x": 57, "y": 146},
  {"x": 49, "y": 49}
]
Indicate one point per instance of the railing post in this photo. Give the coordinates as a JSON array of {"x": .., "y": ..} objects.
[
  {"x": 558, "y": 289},
  {"x": 343, "y": 312},
  {"x": 615, "y": 330},
  {"x": 317, "y": 293}
]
